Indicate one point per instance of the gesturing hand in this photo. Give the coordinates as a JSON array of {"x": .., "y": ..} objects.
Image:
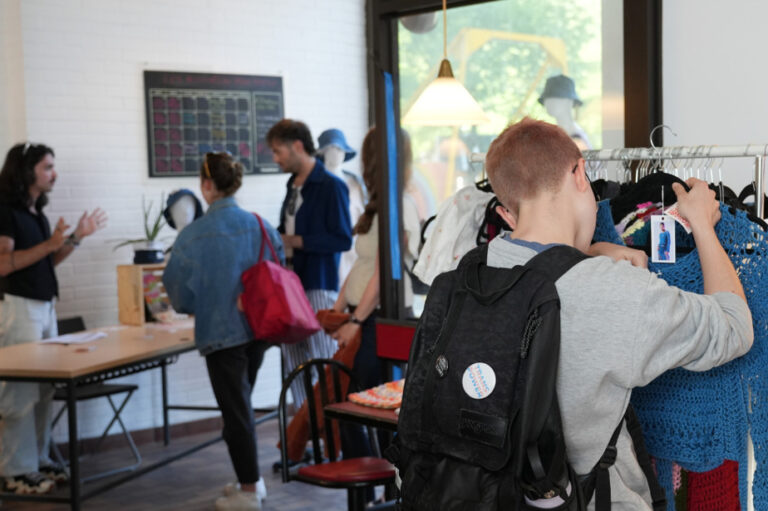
[
  {"x": 88, "y": 224},
  {"x": 57, "y": 236}
]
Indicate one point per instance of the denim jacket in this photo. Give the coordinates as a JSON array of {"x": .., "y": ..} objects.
[
  {"x": 323, "y": 223},
  {"x": 203, "y": 274}
]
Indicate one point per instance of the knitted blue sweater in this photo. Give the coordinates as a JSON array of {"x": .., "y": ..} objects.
[{"x": 701, "y": 419}]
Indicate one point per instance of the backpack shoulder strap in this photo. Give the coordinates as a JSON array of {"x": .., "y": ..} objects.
[
  {"x": 644, "y": 458},
  {"x": 598, "y": 482},
  {"x": 556, "y": 261}
]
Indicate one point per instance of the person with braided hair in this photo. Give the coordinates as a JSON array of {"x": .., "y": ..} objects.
[{"x": 203, "y": 278}]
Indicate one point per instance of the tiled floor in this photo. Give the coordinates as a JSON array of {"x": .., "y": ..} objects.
[{"x": 193, "y": 483}]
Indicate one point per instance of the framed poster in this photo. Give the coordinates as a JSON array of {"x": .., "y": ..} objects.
[{"x": 190, "y": 114}]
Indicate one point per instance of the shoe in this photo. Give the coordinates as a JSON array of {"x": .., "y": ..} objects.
[
  {"x": 278, "y": 465},
  {"x": 33, "y": 483},
  {"x": 239, "y": 501},
  {"x": 261, "y": 489},
  {"x": 55, "y": 472}
]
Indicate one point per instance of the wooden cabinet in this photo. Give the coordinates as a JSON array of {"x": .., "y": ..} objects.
[{"x": 139, "y": 289}]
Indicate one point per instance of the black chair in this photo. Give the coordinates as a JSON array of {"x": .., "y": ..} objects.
[
  {"x": 93, "y": 391},
  {"x": 355, "y": 475}
]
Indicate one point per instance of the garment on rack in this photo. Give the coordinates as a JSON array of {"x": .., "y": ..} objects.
[
  {"x": 454, "y": 232},
  {"x": 604, "y": 189},
  {"x": 699, "y": 420},
  {"x": 649, "y": 189}
]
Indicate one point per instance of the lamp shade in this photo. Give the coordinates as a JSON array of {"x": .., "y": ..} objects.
[{"x": 445, "y": 102}]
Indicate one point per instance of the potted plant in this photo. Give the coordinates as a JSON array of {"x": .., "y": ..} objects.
[{"x": 148, "y": 250}]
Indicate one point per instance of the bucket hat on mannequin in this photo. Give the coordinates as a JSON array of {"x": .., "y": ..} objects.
[
  {"x": 335, "y": 137},
  {"x": 560, "y": 86}
]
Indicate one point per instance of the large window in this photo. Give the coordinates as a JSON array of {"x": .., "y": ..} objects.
[
  {"x": 555, "y": 60},
  {"x": 595, "y": 64}
]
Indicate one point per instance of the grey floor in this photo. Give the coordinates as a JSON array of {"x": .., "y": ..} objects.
[{"x": 194, "y": 482}]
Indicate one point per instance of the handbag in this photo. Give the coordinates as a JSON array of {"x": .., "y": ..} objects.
[{"x": 274, "y": 302}]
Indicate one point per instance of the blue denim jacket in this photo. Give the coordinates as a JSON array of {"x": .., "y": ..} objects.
[
  {"x": 323, "y": 223},
  {"x": 203, "y": 274}
]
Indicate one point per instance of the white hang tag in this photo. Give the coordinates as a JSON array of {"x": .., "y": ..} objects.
[
  {"x": 674, "y": 212},
  {"x": 479, "y": 380},
  {"x": 662, "y": 239}
]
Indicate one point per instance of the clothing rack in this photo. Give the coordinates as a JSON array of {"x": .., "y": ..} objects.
[{"x": 659, "y": 154}]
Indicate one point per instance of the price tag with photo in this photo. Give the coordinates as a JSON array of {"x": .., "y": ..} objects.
[{"x": 662, "y": 239}]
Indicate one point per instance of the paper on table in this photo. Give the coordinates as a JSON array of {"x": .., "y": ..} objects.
[{"x": 77, "y": 338}]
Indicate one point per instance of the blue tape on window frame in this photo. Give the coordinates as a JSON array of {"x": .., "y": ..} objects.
[{"x": 394, "y": 189}]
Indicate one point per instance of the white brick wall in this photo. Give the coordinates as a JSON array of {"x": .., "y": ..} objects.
[
  {"x": 82, "y": 70},
  {"x": 12, "y": 118}
]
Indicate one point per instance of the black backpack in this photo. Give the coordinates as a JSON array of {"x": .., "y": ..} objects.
[{"x": 479, "y": 427}]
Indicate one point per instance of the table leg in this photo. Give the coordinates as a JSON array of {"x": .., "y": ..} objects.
[
  {"x": 74, "y": 448},
  {"x": 166, "y": 431}
]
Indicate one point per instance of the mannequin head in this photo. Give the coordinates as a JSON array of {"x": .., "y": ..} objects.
[
  {"x": 560, "y": 109},
  {"x": 333, "y": 157},
  {"x": 559, "y": 98},
  {"x": 183, "y": 212},
  {"x": 182, "y": 208},
  {"x": 333, "y": 149}
]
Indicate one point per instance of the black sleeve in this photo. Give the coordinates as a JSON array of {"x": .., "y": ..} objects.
[{"x": 7, "y": 227}]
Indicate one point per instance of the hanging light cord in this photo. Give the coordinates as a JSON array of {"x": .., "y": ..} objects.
[{"x": 445, "y": 30}]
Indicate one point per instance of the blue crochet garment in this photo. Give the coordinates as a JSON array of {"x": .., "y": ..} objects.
[{"x": 701, "y": 419}]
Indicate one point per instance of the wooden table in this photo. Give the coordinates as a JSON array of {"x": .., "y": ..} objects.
[
  {"x": 365, "y": 415},
  {"x": 125, "y": 350}
]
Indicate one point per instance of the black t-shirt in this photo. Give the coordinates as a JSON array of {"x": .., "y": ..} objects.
[{"x": 37, "y": 281}]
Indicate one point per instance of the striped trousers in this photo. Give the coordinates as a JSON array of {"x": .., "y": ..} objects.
[{"x": 318, "y": 345}]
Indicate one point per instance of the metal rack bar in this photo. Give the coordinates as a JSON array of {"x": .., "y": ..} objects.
[{"x": 758, "y": 152}]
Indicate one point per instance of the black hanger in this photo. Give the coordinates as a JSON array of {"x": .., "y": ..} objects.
[
  {"x": 493, "y": 220},
  {"x": 484, "y": 186},
  {"x": 604, "y": 189},
  {"x": 648, "y": 189}
]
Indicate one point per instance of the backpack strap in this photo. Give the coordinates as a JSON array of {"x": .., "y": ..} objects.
[
  {"x": 644, "y": 458},
  {"x": 598, "y": 481},
  {"x": 556, "y": 261}
]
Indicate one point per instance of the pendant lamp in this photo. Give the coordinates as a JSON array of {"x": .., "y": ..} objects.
[{"x": 445, "y": 101}]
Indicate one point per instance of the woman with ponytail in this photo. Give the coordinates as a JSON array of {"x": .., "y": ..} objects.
[
  {"x": 360, "y": 292},
  {"x": 203, "y": 278}
]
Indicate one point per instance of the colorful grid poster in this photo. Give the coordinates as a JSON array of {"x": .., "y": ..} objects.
[{"x": 190, "y": 114}]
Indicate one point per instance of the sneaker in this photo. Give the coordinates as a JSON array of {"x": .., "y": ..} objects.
[
  {"x": 55, "y": 472},
  {"x": 239, "y": 501},
  {"x": 261, "y": 489},
  {"x": 33, "y": 483}
]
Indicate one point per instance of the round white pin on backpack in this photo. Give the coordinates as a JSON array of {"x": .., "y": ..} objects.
[{"x": 479, "y": 380}]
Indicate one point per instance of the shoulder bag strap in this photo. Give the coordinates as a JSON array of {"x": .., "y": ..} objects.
[{"x": 265, "y": 241}]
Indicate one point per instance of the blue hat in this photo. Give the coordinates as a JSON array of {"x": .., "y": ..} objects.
[
  {"x": 335, "y": 137},
  {"x": 560, "y": 86},
  {"x": 173, "y": 198}
]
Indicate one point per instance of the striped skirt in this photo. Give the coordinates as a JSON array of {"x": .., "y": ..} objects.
[{"x": 318, "y": 345}]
